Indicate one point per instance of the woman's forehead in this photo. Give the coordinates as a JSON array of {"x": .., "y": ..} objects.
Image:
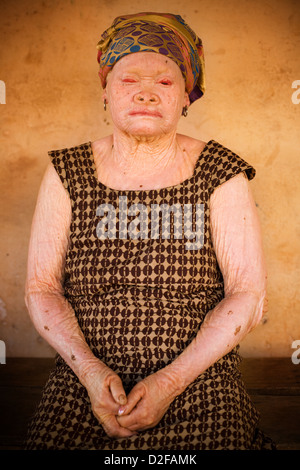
[{"x": 147, "y": 62}]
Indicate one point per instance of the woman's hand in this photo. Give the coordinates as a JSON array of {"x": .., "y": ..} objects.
[
  {"x": 106, "y": 394},
  {"x": 148, "y": 401}
]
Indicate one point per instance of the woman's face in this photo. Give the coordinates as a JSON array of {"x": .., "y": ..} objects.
[{"x": 145, "y": 92}]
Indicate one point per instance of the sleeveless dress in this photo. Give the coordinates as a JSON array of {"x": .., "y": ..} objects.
[{"x": 141, "y": 274}]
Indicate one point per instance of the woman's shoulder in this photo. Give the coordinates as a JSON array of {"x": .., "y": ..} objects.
[
  {"x": 190, "y": 144},
  {"x": 197, "y": 146},
  {"x": 220, "y": 163},
  {"x": 102, "y": 145}
]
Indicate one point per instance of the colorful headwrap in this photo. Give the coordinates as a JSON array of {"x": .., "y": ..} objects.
[{"x": 163, "y": 33}]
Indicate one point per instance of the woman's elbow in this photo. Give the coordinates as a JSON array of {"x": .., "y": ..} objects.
[
  {"x": 40, "y": 292},
  {"x": 259, "y": 310}
]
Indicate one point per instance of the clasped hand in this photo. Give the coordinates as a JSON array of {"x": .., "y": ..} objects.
[{"x": 143, "y": 408}]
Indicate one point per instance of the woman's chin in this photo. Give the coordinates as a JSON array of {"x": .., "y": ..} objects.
[{"x": 147, "y": 131}]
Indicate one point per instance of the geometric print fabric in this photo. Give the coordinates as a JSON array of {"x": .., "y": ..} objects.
[{"x": 140, "y": 302}]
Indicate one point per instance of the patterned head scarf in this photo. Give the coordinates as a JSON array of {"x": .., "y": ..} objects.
[{"x": 163, "y": 33}]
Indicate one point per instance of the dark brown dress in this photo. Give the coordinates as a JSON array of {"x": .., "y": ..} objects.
[{"x": 141, "y": 289}]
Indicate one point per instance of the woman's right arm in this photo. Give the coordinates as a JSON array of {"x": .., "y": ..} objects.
[{"x": 51, "y": 313}]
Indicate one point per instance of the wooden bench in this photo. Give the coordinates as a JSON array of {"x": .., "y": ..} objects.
[{"x": 273, "y": 384}]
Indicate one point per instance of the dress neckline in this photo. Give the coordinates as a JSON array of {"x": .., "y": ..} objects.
[{"x": 146, "y": 191}]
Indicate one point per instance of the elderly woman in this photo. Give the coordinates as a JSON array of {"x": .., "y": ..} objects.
[{"x": 145, "y": 264}]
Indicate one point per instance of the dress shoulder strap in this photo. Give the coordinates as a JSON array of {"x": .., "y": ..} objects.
[
  {"x": 219, "y": 164},
  {"x": 74, "y": 165}
]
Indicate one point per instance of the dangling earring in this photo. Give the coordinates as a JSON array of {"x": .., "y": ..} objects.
[
  {"x": 185, "y": 111},
  {"x": 104, "y": 105}
]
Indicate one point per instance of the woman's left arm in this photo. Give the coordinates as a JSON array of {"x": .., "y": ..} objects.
[{"x": 237, "y": 241}]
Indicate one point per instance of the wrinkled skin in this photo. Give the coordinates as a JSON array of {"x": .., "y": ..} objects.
[{"x": 147, "y": 152}]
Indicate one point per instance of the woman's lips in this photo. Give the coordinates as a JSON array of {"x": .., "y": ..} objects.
[{"x": 145, "y": 112}]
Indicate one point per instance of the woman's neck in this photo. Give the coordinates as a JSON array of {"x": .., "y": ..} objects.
[
  {"x": 124, "y": 162},
  {"x": 138, "y": 156}
]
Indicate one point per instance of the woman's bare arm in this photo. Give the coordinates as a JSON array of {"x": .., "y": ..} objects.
[
  {"x": 237, "y": 241},
  {"x": 50, "y": 311},
  {"x": 236, "y": 235}
]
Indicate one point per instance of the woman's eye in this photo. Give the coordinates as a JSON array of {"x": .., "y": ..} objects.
[
  {"x": 128, "y": 80},
  {"x": 165, "y": 82}
]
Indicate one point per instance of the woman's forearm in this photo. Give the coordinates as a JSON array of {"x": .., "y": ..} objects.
[
  {"x": 236, "y": 237},
  {"x": 223, "y": 329},
  {"x": 56, "y": 322}
]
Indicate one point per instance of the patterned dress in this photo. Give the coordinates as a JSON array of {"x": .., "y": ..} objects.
[{"x": 141, "y": 286}]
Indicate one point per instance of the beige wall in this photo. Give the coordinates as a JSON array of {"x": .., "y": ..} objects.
[{"x": 53, "y": 100}]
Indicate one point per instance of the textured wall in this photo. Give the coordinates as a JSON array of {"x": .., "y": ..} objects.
[{"x": 53, "y": 100}]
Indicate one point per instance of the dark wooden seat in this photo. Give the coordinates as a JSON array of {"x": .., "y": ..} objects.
[{"x": 273, "y": 384}]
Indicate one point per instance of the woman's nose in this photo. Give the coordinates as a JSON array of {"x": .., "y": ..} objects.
[{"x": 146, "y": 97}]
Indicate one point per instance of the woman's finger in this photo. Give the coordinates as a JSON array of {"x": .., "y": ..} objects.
[
  {"x": 133, "y": 398},
  {"x": 114, "y": 429},
  {"x": 117, "y": 391},
  {"x": 132, "y": 421}
]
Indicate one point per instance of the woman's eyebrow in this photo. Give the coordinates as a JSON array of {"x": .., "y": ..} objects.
[{"x": 140, "y": 70}]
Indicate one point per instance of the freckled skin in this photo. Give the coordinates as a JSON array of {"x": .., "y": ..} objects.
[
  {"x": 237, "y": 330},
  {"x": 152, "y": 84},
  {"x": 146, "y": 146}
]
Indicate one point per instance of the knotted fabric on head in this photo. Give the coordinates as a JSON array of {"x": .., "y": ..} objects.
[{"x": 163, "y": 33}]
